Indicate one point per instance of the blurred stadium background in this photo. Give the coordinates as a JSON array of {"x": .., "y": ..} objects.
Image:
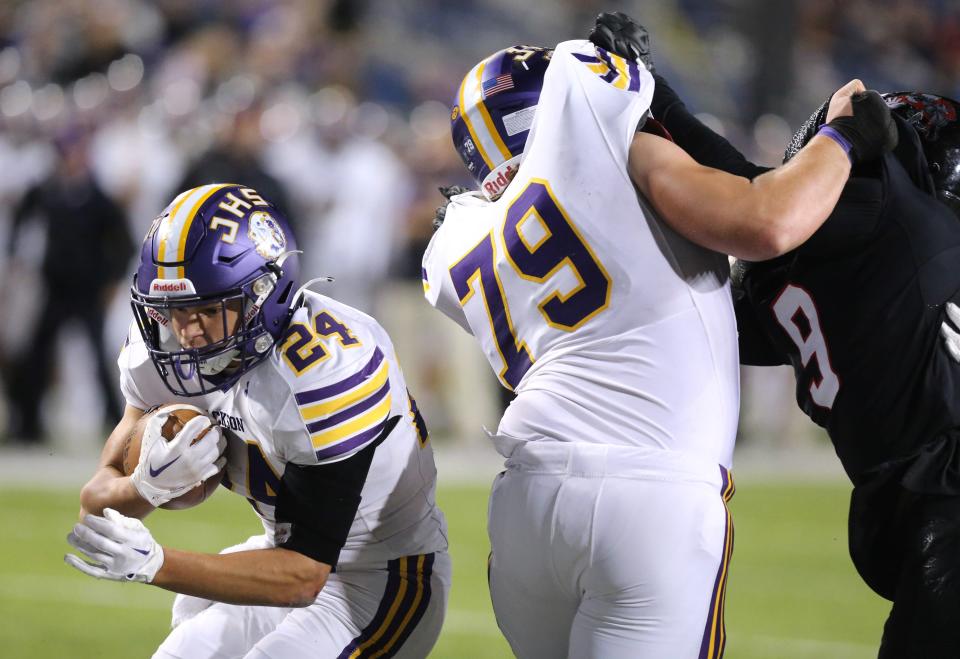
[{"x": 338, "y": 110}]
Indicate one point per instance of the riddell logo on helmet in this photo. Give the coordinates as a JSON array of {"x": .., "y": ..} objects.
[
  {"x": 172, "y": 287},
  {"x": 178, "y": 287},
  {"x": 499, "y": 184},
  {"x": 157, "y": 316}
]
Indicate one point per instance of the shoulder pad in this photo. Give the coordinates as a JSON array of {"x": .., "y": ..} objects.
[{"x": 339, "y": 376}]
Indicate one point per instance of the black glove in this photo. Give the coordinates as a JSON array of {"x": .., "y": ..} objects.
[
  {"x": 870, "y": 131},
  {"x": 620, "y": 34},
  {"x": 441, "y": 213}
]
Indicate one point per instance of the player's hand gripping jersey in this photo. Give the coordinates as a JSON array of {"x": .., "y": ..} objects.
[
  {"x": 329, "y": 389},
  {"x": 610, "y": 327}
]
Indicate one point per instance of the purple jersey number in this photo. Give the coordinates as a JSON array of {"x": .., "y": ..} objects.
[
  {"x": 262, "y": 482},
  {"x": 559, "y": 245},
  {"x": 301, "y": 346},
  {"x": 327, "y": 325},
  {"x": 479, "y": 263}
]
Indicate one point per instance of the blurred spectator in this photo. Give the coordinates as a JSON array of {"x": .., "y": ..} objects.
[
  {"x": 353, "y": 192},
  {"x": 87, "y": 249},
  {"x": 333, "y": 108},
  {"x": 455, "y": 389},
  {"x": 235, "y": 157}
]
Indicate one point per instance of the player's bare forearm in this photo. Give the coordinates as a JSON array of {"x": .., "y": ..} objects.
[
  {"x": 753, "y": 220},
  {"x": 799, "y": 196},
  {"x": 265, "y": 577},
  {"x": 108, "y": 487}
]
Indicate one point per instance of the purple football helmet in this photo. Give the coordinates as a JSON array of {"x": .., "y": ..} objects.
[
  {"x": 219, "y": 246},
  {"x": 493, "y": 112}
]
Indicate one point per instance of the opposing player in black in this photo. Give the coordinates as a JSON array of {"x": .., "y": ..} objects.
[{"x": 857, "y": 311}]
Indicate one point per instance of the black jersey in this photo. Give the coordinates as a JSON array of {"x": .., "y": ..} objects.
[{"x": 857, "y": 309}]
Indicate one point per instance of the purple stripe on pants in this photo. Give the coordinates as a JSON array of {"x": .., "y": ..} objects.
[
  {"x": 634, "y": 76},
  {"x": 389, "y": 595},
  {"x": 714, "y": 632}
]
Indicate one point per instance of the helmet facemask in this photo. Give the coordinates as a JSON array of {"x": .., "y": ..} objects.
[
  {"x": 241, "y": 342},
  {"x": 218, "y": 249}
]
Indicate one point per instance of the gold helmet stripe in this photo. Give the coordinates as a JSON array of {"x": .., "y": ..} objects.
[
  {"x": 482, "y": 108},
  {"x": 174, "y": 229},
  {"x": 188, "y": 221},
  {"x": 466, "y": 111}
]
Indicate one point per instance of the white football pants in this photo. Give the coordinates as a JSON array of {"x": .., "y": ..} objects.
[
  {"x": 609, "y": 552},
  {"x": 392, "y": 611}
]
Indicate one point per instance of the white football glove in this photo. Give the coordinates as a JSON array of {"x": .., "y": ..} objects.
[
  {"x": 951, "y": 338},
  {"x": 120, "y": 548},
  {"x": 168, "y": 469},
  {"x": 187, "y": 606}
]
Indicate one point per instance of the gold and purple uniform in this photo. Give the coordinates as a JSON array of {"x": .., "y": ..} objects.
[
  {"x": 327, "y": 392},
  {"x": 610, "y": 537}
]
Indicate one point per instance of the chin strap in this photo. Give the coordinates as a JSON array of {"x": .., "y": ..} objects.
[{"x": 216, "y": 365}]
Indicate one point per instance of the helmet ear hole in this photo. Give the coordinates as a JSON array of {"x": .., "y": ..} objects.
[{"x": 285, "y": 294}]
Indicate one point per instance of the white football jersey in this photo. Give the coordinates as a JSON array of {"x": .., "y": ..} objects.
[
  {"x": 324, "y": 393},
  {"x": 609, "y": 326}
]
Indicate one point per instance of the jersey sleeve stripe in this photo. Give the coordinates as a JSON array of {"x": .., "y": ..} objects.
[
  {"x": 586, "y": 59},
  {"x": 352, "y": 443},
  {"x": 621, "y": 67},
  {"x": 634, "y": 76},
  {"x": 346, "y": 384},
  {"x": 350, "y": 412},
  {"x": 343, "y": 401},
  {"x": 345, "y": 430},
  {"x": 612, "y": 68}
]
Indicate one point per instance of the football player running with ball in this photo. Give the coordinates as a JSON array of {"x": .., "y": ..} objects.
[
  {"x": 322, "y": 438},
  {"x": 609, "y": 531},
  {"x": 861, "y": 311}
]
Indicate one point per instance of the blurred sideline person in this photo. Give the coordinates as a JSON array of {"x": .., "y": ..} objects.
[
  {"x": 321, "y": 437},
  {"x": 237, "y": 154},
  {"x": 858, "y": 311},
  {"x": 82, "y": 224},
  {"x": 463, "y": 396},
  {"x": 609, "y": 531}
]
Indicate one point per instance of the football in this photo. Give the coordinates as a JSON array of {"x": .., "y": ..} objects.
[{"x": 173, "y": 425}]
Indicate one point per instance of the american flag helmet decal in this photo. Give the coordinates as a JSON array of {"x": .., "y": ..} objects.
[
  {"x": 493, "y": 110},
  {"x": 498, "y": 84}
]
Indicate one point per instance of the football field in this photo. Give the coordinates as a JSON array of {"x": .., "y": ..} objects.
[{"x": 792, "y": 593}]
